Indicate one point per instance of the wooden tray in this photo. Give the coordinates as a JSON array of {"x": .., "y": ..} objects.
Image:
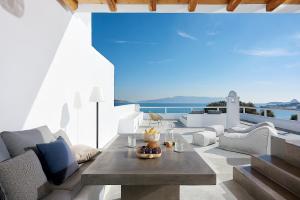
[{"x": 148, "y": 156}]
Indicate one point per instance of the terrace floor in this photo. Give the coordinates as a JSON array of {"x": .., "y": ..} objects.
[{"x": 221, "y": 161}]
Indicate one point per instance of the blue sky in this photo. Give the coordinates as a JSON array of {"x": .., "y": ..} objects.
[{"x": 163, "y": 55}]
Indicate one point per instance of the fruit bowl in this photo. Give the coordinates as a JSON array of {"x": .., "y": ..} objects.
[
  {"x": 145, "y": 152},
  {"x": 151, "y": 135}
]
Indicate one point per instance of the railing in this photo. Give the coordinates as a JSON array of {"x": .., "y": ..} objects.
[
  {"x": 179, "y": 109},
  {"x": 243, "y": 110}
]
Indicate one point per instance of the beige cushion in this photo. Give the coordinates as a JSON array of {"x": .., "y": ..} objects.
[{"x": 84, "y": 153}]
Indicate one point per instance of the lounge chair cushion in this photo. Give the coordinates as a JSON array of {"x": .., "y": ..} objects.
[
  {"x": 4, "y": 155},
  {"x": 23, "y": 178},
  {"x": 17, "y": 141},
  {"x": 255, "y": 142}
]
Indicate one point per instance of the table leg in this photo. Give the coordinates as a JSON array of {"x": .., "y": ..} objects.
[{"x": 150, "y": 192}]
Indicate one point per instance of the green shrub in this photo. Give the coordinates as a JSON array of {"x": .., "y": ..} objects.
[
  {"x": 294, "y": 117},
  {"x": 270, "y": 113}
]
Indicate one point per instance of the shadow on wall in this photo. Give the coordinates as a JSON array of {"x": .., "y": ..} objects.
[
  {"x": 14, "y": 7},
  {"x": 65, "y": 117}
]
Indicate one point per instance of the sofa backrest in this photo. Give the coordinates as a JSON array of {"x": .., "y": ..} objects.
[{"x": 17, "y": 141}]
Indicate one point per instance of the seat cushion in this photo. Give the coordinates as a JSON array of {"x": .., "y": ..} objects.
[
  {"x": 22, "y": 177},
  {"x": 59, "y": 195},
  {"x": 4, "y": 155},
  {"x": 73, "y": 183},
  {"x": 204, "y": 138},
  {"x": 17, "y": 141},
  {"x": 60, "y": 160}
]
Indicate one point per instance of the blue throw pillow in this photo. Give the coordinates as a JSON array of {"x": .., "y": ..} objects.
[{"x": 60, "y": 161}]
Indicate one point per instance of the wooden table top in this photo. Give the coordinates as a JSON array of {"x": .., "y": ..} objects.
[{"x": 118, "y": 165}]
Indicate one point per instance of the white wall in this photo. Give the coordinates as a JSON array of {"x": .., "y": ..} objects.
[
  {"x": 279, "y": 123},
  {"x": 75, "y": 70},
  {"x": 27, "y": 46}
]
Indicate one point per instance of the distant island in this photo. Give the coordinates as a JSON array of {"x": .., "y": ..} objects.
[
  {"x": 293, "y": 104},
  {"x": 183, "y": 99}
]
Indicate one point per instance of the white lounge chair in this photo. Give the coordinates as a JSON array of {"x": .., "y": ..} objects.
[
  {"x": 256, "y": 141},
  {"x": 247, "y": 130}
]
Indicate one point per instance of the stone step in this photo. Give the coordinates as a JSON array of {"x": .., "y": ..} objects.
[
  {"x": 279, "y": 171},
  {"x": 259, "y": 186},
  {"x": 288, "y": 150}
]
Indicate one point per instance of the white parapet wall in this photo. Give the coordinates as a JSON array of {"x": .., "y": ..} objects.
[{"x": 279, "y": 123}]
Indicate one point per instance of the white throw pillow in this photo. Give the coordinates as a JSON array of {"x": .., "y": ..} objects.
[{"x": 84, "y": 153}]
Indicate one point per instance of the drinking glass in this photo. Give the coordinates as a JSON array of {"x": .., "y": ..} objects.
[
  {"x": 179, "y": 146},
  {"x": 131, "y": 141}
]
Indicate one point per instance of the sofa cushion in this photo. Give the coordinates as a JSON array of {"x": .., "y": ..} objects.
[
  {"x": 22, "y": 177},
  {"x": 214, "y": 112},
  {"x": 4, "y": 155},
  {"x": 197, "y": 112},
  {"x": 2, "y": 193},
  {"x": 73, "y": 183},
  {"x": 63, "y": 134},
  {"x": 84, "y": 153},
  {"x": 59, "y": 159},
  {"x": 59, "y": 195},
  {"x": 17, "y": 141}
]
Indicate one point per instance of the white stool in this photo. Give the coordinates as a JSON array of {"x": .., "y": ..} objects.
[
  {"x": 204, "y": 138},
  {"x": 218, "y": 129}
]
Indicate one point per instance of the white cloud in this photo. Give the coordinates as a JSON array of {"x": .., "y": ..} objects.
[
  {"x": 269, "y": 52},
  {"x": 186, "y": 35},
  {"x": 134, "y": 42}
]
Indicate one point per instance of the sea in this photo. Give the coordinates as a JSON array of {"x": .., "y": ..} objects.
[{"x": 188, "y": 107}]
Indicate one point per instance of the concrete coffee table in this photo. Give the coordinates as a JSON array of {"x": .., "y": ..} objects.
[{"x": 158, "y": 179}]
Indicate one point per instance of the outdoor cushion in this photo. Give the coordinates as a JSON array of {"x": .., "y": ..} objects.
[
  {"x": 59, "y": 195},
  {"x": 197, "y": 112},
  {"x": 214, "y": 112},
  {"x": 73, "y": 184},
  {"x": 204, "y": 138},
  {"x": 84, "y": 153},
  {"x": 60, "y": 161},
  {"x": 63, "y": 134},
  {"x": 22, "y": 177},
  {"x": 4, "y": 155},
  {"x": 17, "y": 141},
  {"x": 2, "y": 194}
]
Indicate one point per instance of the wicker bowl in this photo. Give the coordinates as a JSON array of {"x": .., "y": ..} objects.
[{"x": 147, "y": 156}]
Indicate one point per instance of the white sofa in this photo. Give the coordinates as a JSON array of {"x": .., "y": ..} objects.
[
  {"x": 203, "y": 120},
  {"x": 256, "y": 141}
]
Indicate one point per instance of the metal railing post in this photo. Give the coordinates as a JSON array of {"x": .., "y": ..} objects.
[{"x": 266, "y": 113}]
